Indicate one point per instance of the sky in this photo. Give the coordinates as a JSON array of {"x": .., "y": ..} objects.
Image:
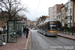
[{"x": 38, "y": 8}]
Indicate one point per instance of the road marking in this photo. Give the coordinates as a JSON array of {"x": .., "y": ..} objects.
[
  {"x": 27, "y": 42},
  {"x": 30, "y": 41}
]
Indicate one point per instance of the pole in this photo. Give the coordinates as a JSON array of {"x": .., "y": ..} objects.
[{"x": 70, "y": 19}]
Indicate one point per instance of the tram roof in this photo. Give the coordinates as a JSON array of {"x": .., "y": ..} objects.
[{"x": 46, "y": 22}]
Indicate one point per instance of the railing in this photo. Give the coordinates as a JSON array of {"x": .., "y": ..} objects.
[{"x": 69, "y": 32}]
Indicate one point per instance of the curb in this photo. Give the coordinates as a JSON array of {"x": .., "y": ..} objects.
[{"x": 66, "y": 37}]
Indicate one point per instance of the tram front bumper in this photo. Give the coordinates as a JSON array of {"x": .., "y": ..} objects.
[{"x": 52, "y": 34}]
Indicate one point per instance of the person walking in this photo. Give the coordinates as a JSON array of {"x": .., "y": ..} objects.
[
  {"x": 27, "y": 32},
  {"x": 24, "y": 30},
  {"x": 4, "y": 29}
]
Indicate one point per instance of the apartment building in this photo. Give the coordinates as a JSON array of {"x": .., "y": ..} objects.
[
  {"x": 50, "y": 13},
  {"x": 63, "y": 13},
  {"x": 56, "y": 9},
  {"x": 69, "y": 13},
  {"x": 73, "y": 12},
  {"x": 59, "y": 16}
]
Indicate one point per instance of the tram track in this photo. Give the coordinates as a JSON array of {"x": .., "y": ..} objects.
[
  {"x": 58, "y": 41},
  {"x": 50, "y": 41},
  {"x": 36, "y": 42}
]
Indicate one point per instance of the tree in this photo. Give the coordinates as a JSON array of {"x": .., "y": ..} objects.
[
  {"x": 13, "y": 7},
  {"x": 59, "y": 24}
]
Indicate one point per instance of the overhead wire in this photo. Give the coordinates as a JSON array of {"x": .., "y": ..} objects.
[
  {"x": 37, "y": 7},
  {"x": 39, "y": 4},
  {"x": 60, "y": 1}
]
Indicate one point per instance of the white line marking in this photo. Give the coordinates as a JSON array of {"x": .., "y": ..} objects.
[{"x": 27, "y": 42}]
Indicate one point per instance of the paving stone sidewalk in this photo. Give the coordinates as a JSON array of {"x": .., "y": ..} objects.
[
  {"x": 67, "y": 36},
  {"x": 22, "y": 43}
]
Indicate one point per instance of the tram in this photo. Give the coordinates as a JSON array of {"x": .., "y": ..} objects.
[{"x": 48, "y": 28}]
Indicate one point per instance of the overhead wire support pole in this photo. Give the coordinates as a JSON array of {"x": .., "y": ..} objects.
[{"x": 70, "y": 19}]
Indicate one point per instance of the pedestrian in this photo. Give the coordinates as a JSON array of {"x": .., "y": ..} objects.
[
  {"x": 20, "y": 32},
  {"x": 4, "y": 29},
  {"x": 24, "y": 30},
  {"x": 27, "y": 32}
]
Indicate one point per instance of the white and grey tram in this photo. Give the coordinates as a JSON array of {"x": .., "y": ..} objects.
[{"x": 48, "y": 28}]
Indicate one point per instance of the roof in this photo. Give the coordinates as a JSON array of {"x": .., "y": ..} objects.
[{"x": 46, "y": 22}]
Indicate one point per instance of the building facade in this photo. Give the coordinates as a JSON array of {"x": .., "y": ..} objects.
[
  {"x": 69, "y": 14},
  {"x": 56, "y": 9},
  {"x": 63, "y": 15},
  {"x": 73, "y": 12},
  {"x": 41, "y": 20},
  {"x": 50, "y": 13}
]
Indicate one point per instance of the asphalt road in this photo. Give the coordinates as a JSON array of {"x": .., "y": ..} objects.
[{"x": 41, "y": 42}]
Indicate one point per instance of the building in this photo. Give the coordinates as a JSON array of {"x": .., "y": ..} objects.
[
  {"x": 59, "y": 16},
  {"x": 31, "y": 24},
  {"x": 69, "y": 14},
  {"x": 63, "y": 15},
  {"x": 3, "y": 18},
  {"x": 73, "y": 12},
  {"x": 42, "y": 19},
  {"x": 56, "y": 9},
  {"x": 50, "y": 13}
]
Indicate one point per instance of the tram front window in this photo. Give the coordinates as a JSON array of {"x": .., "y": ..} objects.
[{"x": 53, "y": 27}]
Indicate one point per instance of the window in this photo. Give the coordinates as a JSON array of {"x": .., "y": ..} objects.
[
  {"x": 71, "y": 10},
  {"x": 53, "y": 27},
  {"x": 71, "y": 3},
  {"x": 67, "y": 13},
  {"x": 66, "y": 5},
  {"x": 68, "y": 18}
]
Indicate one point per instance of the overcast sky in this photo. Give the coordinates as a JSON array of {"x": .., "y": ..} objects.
[{"x": 38, "y": 8}]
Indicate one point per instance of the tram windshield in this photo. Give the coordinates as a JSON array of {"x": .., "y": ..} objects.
[{"x": 53, "y": 27}]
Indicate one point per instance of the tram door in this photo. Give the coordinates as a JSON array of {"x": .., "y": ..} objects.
[{"x": 11, "y": 31}]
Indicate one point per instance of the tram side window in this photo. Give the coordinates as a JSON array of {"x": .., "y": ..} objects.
[{"x": 43, "y": 26}]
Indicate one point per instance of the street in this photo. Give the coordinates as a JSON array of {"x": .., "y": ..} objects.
[{"x": 41, "y": 42}]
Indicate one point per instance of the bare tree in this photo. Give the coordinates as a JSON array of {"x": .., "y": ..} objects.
[{"x": 13, "y": 7}]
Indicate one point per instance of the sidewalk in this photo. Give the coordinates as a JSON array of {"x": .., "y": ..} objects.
[
  {"x": 22, "y": 43},
  {"x": 67, "y": 36}
]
